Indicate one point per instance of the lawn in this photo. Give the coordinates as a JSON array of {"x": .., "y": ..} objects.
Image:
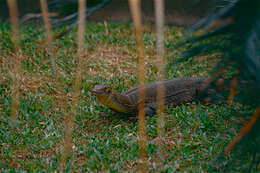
[{"x": 194, "y": 136}]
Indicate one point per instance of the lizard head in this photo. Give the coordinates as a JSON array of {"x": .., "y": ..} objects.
[
  {"x": 104, "y": 94},
  {"x": 107, "y": 96},
  {"x": 101, "y": 91}
]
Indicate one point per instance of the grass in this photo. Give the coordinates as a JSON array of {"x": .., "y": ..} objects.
[{"x": 195, "y": 133}]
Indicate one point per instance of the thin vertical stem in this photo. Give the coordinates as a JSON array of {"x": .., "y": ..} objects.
[
  {"x": 47, "y": 26},
  {"x": 13, "y": 11},
  {"x": 232, "y": 91},
  {"x": 135, "y": 9},
  {"x": 159, "y": 21},
  {"x": 77, "y": 85},
  {"x": 50, "y": 50}
]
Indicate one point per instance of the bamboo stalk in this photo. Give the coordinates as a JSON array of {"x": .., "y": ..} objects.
[
  {"x": 16, "y": 71},
  {"x": 135, "y": 9},
  {"x": 159, "y": 21}
]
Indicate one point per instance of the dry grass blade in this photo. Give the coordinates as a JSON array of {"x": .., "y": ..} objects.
[
  {"x": 12, "y": 5},
  {"x": 243, "y": 131},
  {"x": 135, "y": 9},
  {"x": 76, "y": 90},
  {"x": 159, "y": 19}
]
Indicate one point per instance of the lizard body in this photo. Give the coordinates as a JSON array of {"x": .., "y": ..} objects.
[{"x": 176, "y": 91}]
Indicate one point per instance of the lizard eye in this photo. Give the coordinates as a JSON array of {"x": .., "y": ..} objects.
[{"x": 107, "y": 90}]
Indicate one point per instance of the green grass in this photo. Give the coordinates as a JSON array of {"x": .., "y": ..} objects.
[{"x": 195, "y": 133}]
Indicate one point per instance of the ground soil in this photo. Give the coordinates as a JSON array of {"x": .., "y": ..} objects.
[{"x": 177, "y": 12}]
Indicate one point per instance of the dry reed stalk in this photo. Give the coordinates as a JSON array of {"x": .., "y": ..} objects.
[
  {"x": 50, "y": 50},
  {"x": 106, "y": 28},
  {"x": 135, "y": 9},
  {"x": 232, "y": 91},
  {"x": 17, "y": 56},
  {"x": 47, "y": 26},
  {"x": 159, "y": 21},
  {"x": 77, "y": 85}
]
